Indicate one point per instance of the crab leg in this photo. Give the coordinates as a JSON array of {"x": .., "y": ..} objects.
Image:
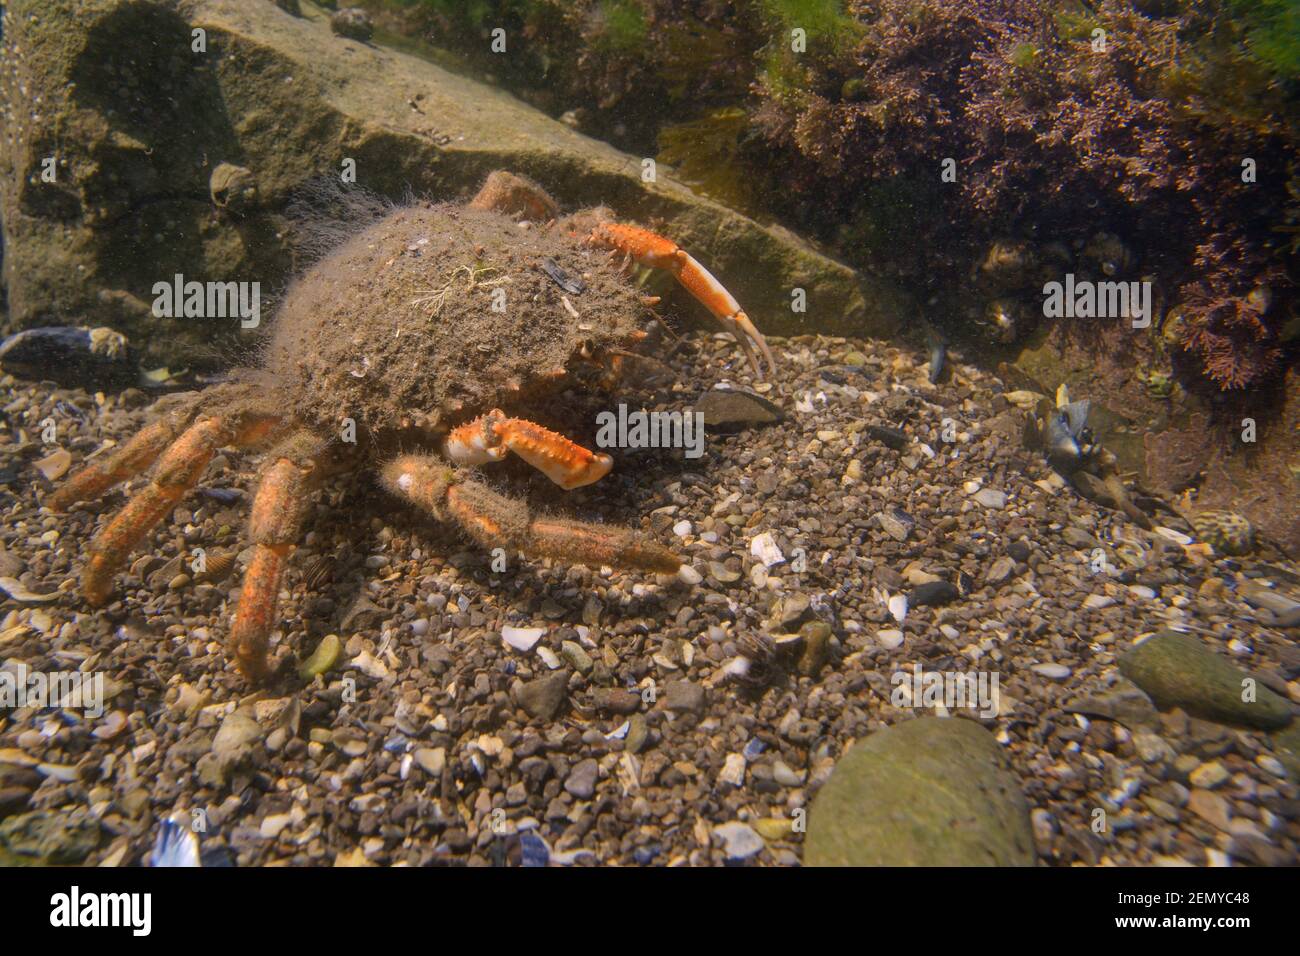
[
  {"x": 489, "y": 437},
  {"x": 140, "y": 451},
  {"x": 653, "y": 250},
  {"x": 273, "y": 529},
  {"x": 494, "y": 520},
  {"x": 177, "y": 471},
  {"x": 129, "y": 460}
]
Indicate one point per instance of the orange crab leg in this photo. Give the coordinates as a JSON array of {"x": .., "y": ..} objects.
[
  {"x": 489, "y": 437},
  {"x": 178, "y": 470},
  {"x": 494, "y": 520},
  {"x": 129, "y": 460},
  {"x": 273, "y": 529},
  {"x": 653, "y": 250}
]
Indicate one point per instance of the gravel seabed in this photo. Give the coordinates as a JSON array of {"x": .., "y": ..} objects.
[{"x": 415, "y": 749}]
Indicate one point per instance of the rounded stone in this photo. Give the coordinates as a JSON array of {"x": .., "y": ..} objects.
[{"x": 929, "y": 792}]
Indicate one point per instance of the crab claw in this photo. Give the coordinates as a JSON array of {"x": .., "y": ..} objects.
[
  {"x": 489, "y": 437},
  {"x": 654, "y": 251}
]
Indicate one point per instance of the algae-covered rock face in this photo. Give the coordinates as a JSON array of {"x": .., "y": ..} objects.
[
  {"x": 118, "y": 113},
  {"x": 929, "y": 792}
]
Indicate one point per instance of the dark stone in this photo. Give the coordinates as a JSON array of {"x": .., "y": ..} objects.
[
  {"x": 892, "y": 437},
  {"x": 1019, "y": 550},
  {"x": 732, "y": 410},
  {"x": 933, "y": 594},
  {"x": 542, "y": 698},
  {"x": 684, "y": 697},
  {"x": 616, "y": 700}
]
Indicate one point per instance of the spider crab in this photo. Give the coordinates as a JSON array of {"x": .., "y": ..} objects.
[{"x": 529, "y": 303}]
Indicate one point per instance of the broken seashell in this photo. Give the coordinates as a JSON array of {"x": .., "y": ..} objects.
[
  {"x": 112, "y": 725},
  {"x": 16, "y": 590},
  {"x": 765, "y": 549},
  {"x": 370, "y": 665},
  {"x": 54, "y": 465},
  {"x": 522, "y": 639}
]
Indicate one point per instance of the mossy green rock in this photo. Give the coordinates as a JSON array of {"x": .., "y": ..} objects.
[
  {"x": 48, "y": 837},
  {"x": 929, "y": 792},
  {"x": 137, "y": 120},
  {"x": 1177, "y": 670},
  {"x": 1286, "y": 748}
]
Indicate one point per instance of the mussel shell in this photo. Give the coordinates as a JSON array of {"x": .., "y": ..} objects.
[
  {"x": 1076, "y": 416},
  {"x": 67, "y": 355},
  {"x": 176, "y": 845},
  {"x": 1059, "y": 442}
]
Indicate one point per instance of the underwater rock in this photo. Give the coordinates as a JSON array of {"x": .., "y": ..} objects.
[
  {"x": 684, "y": 697},
  {"x": 934, "y": 594},
  {"x": 739, "y": 841},
  {"x": 85, "y": 245},
  {"x": 353, "y": 23},
  {"x": 731, "y": 410},
  {"x": 928, "y": 792},
  {"x": 896, "y": 523},
  {"x": 1177, "y": 670},
  {"x": 51, "y": 838},
  {"x": 542, "y": 697}
]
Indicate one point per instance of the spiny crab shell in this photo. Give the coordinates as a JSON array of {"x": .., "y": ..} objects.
[{"x": 438, "y": 312}]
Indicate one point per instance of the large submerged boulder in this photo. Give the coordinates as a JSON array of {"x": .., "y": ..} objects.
[{"x": 145, "y": 139}]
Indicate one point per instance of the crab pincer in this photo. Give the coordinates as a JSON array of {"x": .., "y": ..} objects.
[
  {"x": 657, "y": 252},
  {"x": 489, "y": 437}
]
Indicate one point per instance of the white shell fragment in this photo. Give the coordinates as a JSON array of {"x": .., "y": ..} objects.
[
  {"x": 688, "y": 575},
  {"x": 890, "y": 638},
  {"x": 370, "y": 665},
  {"x": 55, "y": 465},
  {"x": 739, "y": 841},
  {"x": 898, "y": 607},
  {"x": 13, "y": 588},
  {"x": 733, "y": 770},
  {"x": 522, "y": 639},
  {"x": 765, "y": 549}
]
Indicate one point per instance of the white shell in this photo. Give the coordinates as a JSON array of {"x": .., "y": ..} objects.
[
  {"x": 522, "y": 639},
  {"x": 765, "y": 549}
]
